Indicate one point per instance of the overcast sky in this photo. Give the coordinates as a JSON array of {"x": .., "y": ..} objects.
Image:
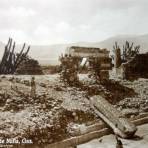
[{"x": 64, "y": 21}]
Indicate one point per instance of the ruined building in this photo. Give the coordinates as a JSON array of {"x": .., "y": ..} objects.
[
  {"x": 136, "y": 67},
  {"x": 97, "y": 60},
  {"x": 129, "y": 63}
]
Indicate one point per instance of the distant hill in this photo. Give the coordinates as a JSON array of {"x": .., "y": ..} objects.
[
  {"x": 137, "y": 40},
  {"x": 49, "y": 54}
]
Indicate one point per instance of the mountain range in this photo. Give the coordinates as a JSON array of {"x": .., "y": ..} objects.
[{"x": 49, "y": 54}]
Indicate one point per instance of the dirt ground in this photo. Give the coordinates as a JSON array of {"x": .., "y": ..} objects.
[
  {"x": 110, "y": 140},
  {"x": 49, "y": 116}
]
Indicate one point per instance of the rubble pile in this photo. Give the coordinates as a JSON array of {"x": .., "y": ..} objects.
[
  {"x": 69, "y": 70},
  {"x": 46, "y": 117},
  {"x": 29, "y": 67},
  {"x": 39, "y": 118},
  {"x": 99, "y": 68},
  {"x": 118, "y": 91},
  {"x": 14, "y": 104},
  {"x": 113, "y": 91},
  {"x": 139, "y": 101}
]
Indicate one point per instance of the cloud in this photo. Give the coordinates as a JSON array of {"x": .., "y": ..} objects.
[{"x": 57, "y": 21}]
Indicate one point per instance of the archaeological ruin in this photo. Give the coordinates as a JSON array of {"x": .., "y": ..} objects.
[{"x": 68, "y": 108}]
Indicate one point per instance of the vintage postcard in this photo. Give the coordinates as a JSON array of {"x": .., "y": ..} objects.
[{"x": 73, "y": 74}]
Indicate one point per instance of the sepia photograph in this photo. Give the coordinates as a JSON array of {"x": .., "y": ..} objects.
[{"x": 74, "y": 74}]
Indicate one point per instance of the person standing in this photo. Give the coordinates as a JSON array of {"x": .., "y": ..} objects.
[{"x": 33, "y": 87}]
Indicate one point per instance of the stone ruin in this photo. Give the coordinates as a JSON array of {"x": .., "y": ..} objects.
[
  {"x": 97, "y": 60},
  {"x": 129, "y": 63},
  {"x": 69, "y": 70},
  {"x": 136, "y": 67}
]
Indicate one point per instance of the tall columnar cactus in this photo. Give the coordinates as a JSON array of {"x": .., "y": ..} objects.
[
  {"x": 10, "y": 59},
  {"x": 117, "y": 56},
  {"x": 128, "y": 51}
]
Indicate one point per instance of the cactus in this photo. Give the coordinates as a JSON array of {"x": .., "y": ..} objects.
[
  {"x": 9, "y": 62},
  {"x": 117, "y": 53}
]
